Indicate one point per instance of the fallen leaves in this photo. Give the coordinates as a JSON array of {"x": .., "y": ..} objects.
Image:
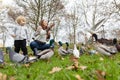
[
  {"x": 27, "y": 65},
  {"x": 12, "y": 78},
  {"x": 74, "y": 67},
  {"x": 100, "y": 75},
  {"x": 55, "y": 69},
  {"x": 101, "y": 59},
  {"x": 3, "y": 76},
  {"x": 75, "y": 63},
  {"x": 83, "y": 67},
  {"x": 70, "y": 67},
  {"x": 73, "y": 59},
  {"x": 78, "y": 77}
]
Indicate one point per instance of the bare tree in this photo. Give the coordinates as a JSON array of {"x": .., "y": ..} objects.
[
  {"x": 37, "y": 10},
  {"x": 101, "y": 13},
  {"x": 117, "y": 4},
  {"x": 116, "y": 33},
  {"x": 74, "y": 21}
]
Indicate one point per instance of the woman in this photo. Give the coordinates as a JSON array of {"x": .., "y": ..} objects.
[{"x": 41, "y": 36}]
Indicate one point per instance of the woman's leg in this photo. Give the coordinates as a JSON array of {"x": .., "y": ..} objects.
[
  {"x": 45, "y": 46},
  {"x": 34, "y": 46}
]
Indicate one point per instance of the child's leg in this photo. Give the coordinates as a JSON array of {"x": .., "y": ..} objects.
[
  {"x": 23, "y": 47},
  {"x": 17, "y": 45}
]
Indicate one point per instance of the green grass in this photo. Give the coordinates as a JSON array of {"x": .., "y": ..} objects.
[{"x": 40, "y": 69}]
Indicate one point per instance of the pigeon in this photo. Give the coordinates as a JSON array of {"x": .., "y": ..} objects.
[{"x": 19, "y": 58}]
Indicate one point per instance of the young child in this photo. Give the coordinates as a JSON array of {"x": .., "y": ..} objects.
[{"x": 20, "y": 35}]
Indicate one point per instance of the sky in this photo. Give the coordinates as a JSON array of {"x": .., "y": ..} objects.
[{"x": 7, "y": 2}]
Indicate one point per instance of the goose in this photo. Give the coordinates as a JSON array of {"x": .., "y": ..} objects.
[
  {"x": 61, "y": 51},
  {"x": 76, "y": 51},
  {"x": 19, "y": 58},
  {"x": 47, "y": 53},
  {"x": 116, "y": 44},
  {"x": 1, "y": 57},
  {"x": 103, "y": 49},
  {"x": 82, "y": 49},
  {"x": 70, "y": 51}
]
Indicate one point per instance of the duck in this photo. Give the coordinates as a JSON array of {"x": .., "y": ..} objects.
[
  {"x": 76, "y": 52},
  {"x": 70, "y": 51},
  {"x": 61, "y": 50},
  {"x": 19, "y": 58},
  {"x": 1, "y": 57},
  {"x": 115, "y": 42},
  {"x": 47, "y": 53},
  {"x": 82, "y": 49},
  {"x": 104, "y": 49}
]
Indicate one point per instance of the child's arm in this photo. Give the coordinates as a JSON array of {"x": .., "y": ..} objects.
[{"x": 13, "y": 34}]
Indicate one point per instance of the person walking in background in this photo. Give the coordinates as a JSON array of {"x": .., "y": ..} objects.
[
  {"x": 20, "y": 35},
  {"x": 41, "y": 37}
]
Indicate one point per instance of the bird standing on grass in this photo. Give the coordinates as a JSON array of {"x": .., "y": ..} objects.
[
  {"x": 19, "y": 58},
  {"x": 103, "y": 49},
  {"x": 47, "y": 53},
  {"x": 61, "y": 51},
  {"x": 70, "y": 51},
  {"x": 115, "y": 42},
  {"x": 76, "y": 52}
]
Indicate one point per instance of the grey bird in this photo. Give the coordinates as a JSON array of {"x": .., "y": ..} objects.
[
  {"x": 1, "y": 57},
  {"x": 70, "y": 51},
  {"x": 61, "y": 50},
  {"x": 46, "y": 54},
  {"x": 103, "y": 49},
  {"x": 19, "y": 58}
]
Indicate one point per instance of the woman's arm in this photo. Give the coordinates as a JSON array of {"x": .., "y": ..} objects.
[{"x": 48, "y": 30}]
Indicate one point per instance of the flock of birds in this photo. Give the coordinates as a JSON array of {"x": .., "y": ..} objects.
[{"x": 48, "y": 53}]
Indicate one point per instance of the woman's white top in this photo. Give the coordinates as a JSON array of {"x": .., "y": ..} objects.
[{"x": 41, "y": 35}]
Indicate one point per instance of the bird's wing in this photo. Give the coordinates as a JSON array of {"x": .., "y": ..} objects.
[{"x": 48, "y": 55}]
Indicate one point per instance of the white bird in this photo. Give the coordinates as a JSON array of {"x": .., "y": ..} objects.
[
  {"x": 76, "y": 52},
  {"x": 19, "y": 58},
  {"x": 1, "y": 57}
]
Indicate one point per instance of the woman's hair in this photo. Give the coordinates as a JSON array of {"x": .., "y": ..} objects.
[
  {"x": 20, "y": 18},
  {"x": 43, "y": 23}
]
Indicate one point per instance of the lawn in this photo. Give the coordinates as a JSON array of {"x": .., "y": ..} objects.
[{"x": 99, "y": 67}]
